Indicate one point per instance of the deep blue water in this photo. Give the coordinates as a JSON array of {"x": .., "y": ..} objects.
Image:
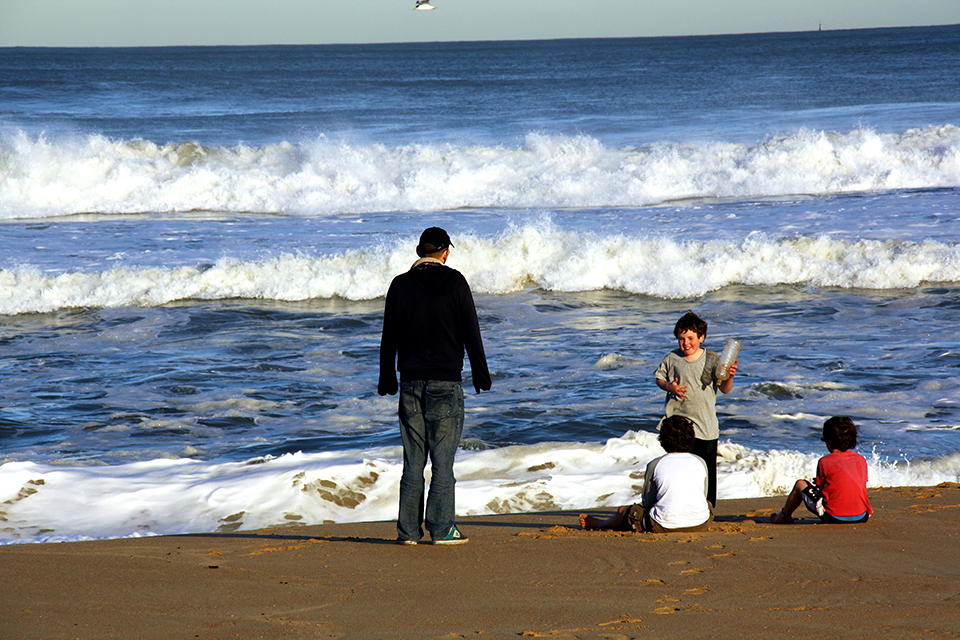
[{"x": 620, "y": 91}]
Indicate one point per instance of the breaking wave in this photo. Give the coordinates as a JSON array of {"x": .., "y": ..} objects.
[
  {"x": 541, "y": 256},
  {"x": 49, "y": 503},
  {"x": 41, "y": 177}
]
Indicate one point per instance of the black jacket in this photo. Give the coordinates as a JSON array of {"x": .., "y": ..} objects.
[{"x": 428, "y": 320}]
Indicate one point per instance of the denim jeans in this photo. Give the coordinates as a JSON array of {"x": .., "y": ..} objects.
[{"x": 431, "y": 421}]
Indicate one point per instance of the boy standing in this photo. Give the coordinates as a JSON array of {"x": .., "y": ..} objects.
[
  {"x": 688, "y": 375},
  {"x": 674, "y": 489},
  {"x": 840, "y": 492}
]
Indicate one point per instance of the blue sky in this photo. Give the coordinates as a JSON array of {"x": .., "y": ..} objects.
[{"x": 218, "y": 22}]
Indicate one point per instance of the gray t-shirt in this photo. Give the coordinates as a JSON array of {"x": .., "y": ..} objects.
[{"x": 700, "y": 403}]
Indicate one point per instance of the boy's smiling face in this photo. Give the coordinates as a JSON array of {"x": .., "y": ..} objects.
[{"x": 690, "y": 342}]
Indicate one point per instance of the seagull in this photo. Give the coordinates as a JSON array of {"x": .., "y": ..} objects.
[{"x": 423, "y": 5}]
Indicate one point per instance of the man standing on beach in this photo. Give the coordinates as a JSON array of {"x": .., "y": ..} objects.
[{"x": 429, "y": 319}]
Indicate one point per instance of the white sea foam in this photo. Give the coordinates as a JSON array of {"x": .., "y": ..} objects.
[
  {"x": 541, "y": 255},
  {"x": 42, "y": 177},
  {"x": 47, "y": 503}
]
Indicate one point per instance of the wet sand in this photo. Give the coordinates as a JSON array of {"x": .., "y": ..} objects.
[{"x": 523, "y": 575}]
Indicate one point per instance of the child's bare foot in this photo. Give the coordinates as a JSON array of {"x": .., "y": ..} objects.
[
  {"x": 781, "y": 518},
  {"x": 588, "y": 522}
]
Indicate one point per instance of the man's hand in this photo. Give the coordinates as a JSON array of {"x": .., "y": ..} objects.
[{"x": 387, "y": 387}]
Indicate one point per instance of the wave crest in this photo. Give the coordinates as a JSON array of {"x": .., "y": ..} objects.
[
  {"x": 49, "y": 503},
  {"x": 41, "y": 177},
  {"x": 541, "y": 255}
]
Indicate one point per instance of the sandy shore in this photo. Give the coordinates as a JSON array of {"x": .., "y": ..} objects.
[{"x": 524, "y": 575}]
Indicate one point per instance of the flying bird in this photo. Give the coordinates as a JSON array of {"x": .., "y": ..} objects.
[{"x": 423, "y": 5}]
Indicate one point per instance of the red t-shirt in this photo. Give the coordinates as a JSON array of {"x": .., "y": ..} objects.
[{"x": 842, "y": 477}]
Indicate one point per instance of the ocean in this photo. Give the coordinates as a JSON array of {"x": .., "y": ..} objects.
[{"x": 196, "y": 243}]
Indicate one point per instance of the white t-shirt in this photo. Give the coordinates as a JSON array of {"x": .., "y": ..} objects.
[{"x": 675, "y": 490}]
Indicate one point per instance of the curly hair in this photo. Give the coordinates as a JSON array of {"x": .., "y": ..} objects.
[
  {"x": 676, "y": 435},
  {"x": 690, "y": 322},
  {"x": 840, "y": 433}
]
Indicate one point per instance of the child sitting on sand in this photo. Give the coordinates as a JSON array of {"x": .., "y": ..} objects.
[
  {"x": 839, "y": 493},
  {"x": 674, "y": 494}
]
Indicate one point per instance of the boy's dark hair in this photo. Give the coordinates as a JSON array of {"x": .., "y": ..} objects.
[
  {"x": 690, "y": 322},
  {"x": 676, "y": 435},
  {"x": 840, "y": 433}
]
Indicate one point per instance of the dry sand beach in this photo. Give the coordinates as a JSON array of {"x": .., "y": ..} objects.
[{"x": 522, "y": 575}]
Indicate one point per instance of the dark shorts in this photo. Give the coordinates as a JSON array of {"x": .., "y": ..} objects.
[
  {"x": 637, "y": 519},
  {"x": 813, "y": 501}
]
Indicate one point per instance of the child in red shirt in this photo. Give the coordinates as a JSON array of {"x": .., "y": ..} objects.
[{"x": 839, "y": 493}]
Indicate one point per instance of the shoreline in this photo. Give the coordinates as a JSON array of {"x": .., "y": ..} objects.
[{"x": 520, "y": 575}]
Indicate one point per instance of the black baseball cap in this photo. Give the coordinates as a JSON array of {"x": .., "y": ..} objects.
[{"x": 434, "y": 239}]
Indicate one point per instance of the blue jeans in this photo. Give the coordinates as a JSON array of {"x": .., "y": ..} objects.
[{"x": 431, "y": 421}]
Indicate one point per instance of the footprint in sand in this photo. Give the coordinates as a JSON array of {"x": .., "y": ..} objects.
[
  {"x": 620, "y": 621},
  {"x": 665, "y": 610},
  {"x": 931, "y": 508}
]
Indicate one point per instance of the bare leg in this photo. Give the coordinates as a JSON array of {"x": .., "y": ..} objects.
[
  {"x": 793, "y": 501},
  {"x": 614, "y": 522}
]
